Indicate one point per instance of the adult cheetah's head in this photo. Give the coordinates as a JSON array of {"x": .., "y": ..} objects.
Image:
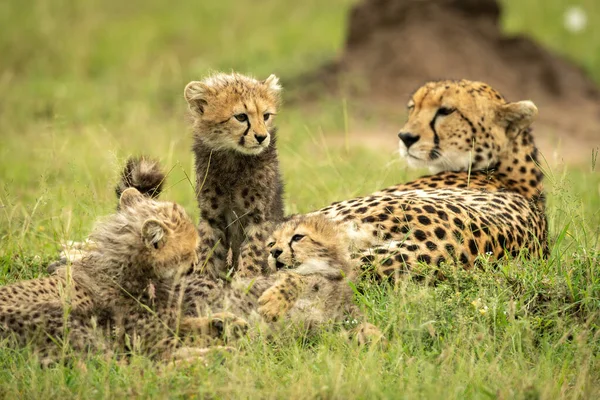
[
  {"x": 234, "y": 112},
  {"x": 147, "y": 239},
  {"x": 309, "y": 245},
  {"x": 457, "y": 125}
]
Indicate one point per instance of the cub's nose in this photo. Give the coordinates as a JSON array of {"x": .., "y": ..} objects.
[
  {"x": 276, "y": 253},
  {"x": 260, "y": 138},
  {"x": 408, "y": 138}
]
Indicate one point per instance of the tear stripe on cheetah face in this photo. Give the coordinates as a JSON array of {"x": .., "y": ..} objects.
[
  {"x": 234, "y": 112},
  {"x": 468, "y": 126}
]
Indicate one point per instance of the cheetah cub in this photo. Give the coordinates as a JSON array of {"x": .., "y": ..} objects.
[
  {"x": 315, "y": 273},
  {"x": 310, "y": 287},
  {"x": 121, "y": 286},
  {"x": 238, "y": 183}
]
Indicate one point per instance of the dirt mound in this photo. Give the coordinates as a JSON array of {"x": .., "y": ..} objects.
[{"x": 393, "y": 46}]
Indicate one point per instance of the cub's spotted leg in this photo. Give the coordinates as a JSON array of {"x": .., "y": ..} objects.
[
  {"x": 366, "y": 334},
  {"x": 222, "y": 325},
  {"x": 212, "y": 254},
  {"x": 281, "y": 297},
  {"x": 253, "y": 255}
]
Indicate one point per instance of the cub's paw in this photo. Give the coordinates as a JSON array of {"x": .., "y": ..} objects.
[
  {"x": 186, "y": 356},
  {"x": 273, "y": 304},
  {"x": 219, "y": 325},
  {"x": 229, "y": 325},
  {"x": 368, "y": 334},
  {"x": 71, "y": 252}
]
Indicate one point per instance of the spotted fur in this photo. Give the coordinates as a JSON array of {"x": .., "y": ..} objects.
[
  {"x": 487, "y": 202},
  {"x": 310, "y": 286},
  {"x": 115, "y": 287}
]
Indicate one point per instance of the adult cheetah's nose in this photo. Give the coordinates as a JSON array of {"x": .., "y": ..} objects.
[
  {"x": 260, "y": 138},
  {"x": 276, "y": 253},
  {"x": 408, "y": 138}
]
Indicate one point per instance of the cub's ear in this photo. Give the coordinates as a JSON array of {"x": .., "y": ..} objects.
[
  {"x": 129, "y": 197},
  {"x": 272, "y": 82},
  {"x": 154, "y": 234},
  {"x": 195, "y": 94},
  {"x": 519, "y": 115}
]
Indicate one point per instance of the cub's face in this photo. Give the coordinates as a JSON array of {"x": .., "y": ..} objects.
[
  {"x": 169, "y": 238},
  {"x": 234, "y": 112},
  {"x": 308, "y": 245},
  {"x": 457, "y": 125}
]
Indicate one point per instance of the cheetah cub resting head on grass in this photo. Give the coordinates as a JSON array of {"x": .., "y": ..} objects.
[{"x": 238, "y": 184}]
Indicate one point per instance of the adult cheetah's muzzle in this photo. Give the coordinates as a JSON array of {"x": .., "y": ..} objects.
[{"x": 408, "y": 139}]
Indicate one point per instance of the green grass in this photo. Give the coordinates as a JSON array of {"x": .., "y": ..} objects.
[{"x": 86, "y": 83}]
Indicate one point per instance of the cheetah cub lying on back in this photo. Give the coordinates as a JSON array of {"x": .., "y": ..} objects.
[
  {"x": 238, "y": 184},
  {"x": 120, "y": 290}
]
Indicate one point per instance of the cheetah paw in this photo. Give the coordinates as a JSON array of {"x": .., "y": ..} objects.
[
  {"x": 366, "y": 334},
  {"x": 221, "y": 325},
  {"x": 272, "y": 304}
]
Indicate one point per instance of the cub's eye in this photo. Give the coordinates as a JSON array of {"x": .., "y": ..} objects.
[
  {"x": 297, "y": 238},
  {"x": 410, "y": 106},
  {"x": 445, "y": 111},
  {"x": 270, "y": 244},
  {"x": 266, "y": 116},
  {"x": 241, "y": 117}
]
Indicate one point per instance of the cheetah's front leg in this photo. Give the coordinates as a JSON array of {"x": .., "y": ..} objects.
[
  {"x": 220, "y": 325},
  {"x": 281, "y": 297},
  {"x": 253, "y": 254},
  {"x": 212, "y": 253}
]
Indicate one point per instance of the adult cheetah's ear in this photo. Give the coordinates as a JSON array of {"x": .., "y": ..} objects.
[
  {"x": 272, "y": 82},
  {"x": 195, "y": 94},
  {"x": 154, "y": 234},
  {"x": 519, "y": 115},
  {"x": 129, "y": 197}
]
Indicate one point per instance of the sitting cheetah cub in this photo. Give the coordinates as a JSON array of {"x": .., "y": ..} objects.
[
  {"x": 238, "y": 184},
  {"x": 122, "y": 285}
]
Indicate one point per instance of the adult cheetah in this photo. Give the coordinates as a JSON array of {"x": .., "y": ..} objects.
[
  {"x": 491, "y": 202},
  {"x": 238, "y": 183},
  {"x": 468, "y": 135}
]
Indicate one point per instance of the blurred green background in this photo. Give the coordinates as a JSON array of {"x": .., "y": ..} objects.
[{"x": 86, "y": 83}]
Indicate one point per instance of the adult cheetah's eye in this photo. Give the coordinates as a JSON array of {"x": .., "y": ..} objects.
[
  {"x": 297, "y": 238},
  {"x": 445, "y": 111},
  {"x": 270, "y": 244},
  {"x": 241, "y": 117},
  {"x": 266, "y": 116}
]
